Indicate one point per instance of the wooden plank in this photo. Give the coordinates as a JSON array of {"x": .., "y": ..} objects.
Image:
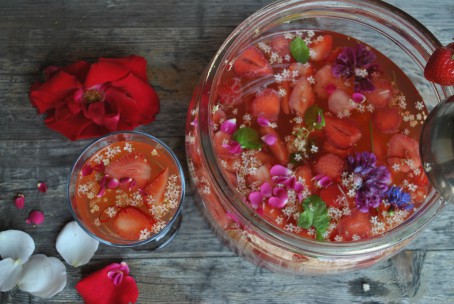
[
  {"x": 178, "y": 38},
  {"x": 407, "y": 278}
]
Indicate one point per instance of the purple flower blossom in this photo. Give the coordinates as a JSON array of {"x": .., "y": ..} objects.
[
  {"x": 399, "y": 199},
  {"x": 356, "y": 62},
  {"x": 371, "y": 182}
]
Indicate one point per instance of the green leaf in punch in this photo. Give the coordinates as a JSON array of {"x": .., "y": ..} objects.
[
  {"x": 248, "y": 138},
  {"x": 314, "y": 117},
  {"x": 315, "y": 215},
  {"x": 299, "y": 50}
]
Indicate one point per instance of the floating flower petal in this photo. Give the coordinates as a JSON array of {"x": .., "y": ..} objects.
[
  {"x": 269, "y": 139},
  {"x": 358, "y": 97},
  {"x": 229, "y": 126},
  {"x": 35, "y": 217},
  {"x": 113, "y": 183},
  {"x": 322, "y": 181},
  {"x": 263, "y": 122},
  {"x": 75, "y": 245},
  {"x": 278, "y": 170},
  {"x": 43, "y": 276}
]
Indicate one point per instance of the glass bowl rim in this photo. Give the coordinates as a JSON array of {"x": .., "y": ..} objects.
[{"x": 397, "y": 235}]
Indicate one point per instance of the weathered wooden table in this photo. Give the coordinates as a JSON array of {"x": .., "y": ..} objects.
[{"x": 178, "y": 38}]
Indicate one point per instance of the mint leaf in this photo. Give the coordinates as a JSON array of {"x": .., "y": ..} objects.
[
  {"x": 315, "y": 214},
  {"x": 299, "y": 50},
  {"x": 314, "y": 117},
  {"x": 247, "y": 138},
  {"x": 306, "y": 219}
]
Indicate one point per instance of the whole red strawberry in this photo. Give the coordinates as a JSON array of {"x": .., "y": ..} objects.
[{"x": 440, "y": 67}]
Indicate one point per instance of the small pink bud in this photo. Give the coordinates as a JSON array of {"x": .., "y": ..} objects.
[
  {"x": 113, "y": 183},
  {"x": 101, "y": 191},
  {"x": 269, "y": 139},
  {"x": 99, "y": 167},
  {"x": 19, "y": 201},
  {"x": 87, "y": 170},
  {"x": 229, "y": 126},
  {"x": 35, "y": 217},
  {"x": 358, "y": 98},
  {"x": 132, "y": 184},
  {"x": 42, "y": 187}
]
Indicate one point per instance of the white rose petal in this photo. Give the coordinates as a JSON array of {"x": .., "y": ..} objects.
[
  {"x": 75, "y": 245},
  {"x": 17, "y": 245},
  {"x": 43, "y": 276},
  {"x": 10, "y": 272}
]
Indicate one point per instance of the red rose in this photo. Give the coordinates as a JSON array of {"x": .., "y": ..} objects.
[
  {"x": 109, "y": 285},
  {"x": 85, "y": 100}
]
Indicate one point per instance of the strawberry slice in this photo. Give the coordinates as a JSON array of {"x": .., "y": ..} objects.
[
  {"x": 440, "y": 67},
  {"x": 134, "y": 165},
  {"x": 403, "y": 152},
  {"x": 267, "y": 104},
  {"x": 387, "y": 120},
  {"x": 219, "y": 140},
  {"x": 278, "y": 149},
  {"x": 304, "y": 172},
  {"x": 260, "y": 176},
  {"x": 321, "y": 47},
  {"x": 251, "y": 64},
  {"x": 330, "y": 165},
  {"x": 329, "y": 147},
  {"x": 339, "y": 101},
  {"x": 157, "y": 187},
  {"x": 303, "y": 69},
  {"x": 130, "y": 221},
  {"x": 229, "y": 91},
  {"x": 343, "y": 133},
  {"x": 326, "y": 83},
  {"x": 331, "y": 196},
  {"x": 382, "y": 95},
  {"x": 280, "y": 45},
  {"x": 357, "y": 223},
  {"x": 302, "y": 97},
  {"x": 284, "y": 99}
]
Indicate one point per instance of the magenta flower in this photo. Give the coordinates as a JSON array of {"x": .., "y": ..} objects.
[{"x": 277, "y": 196}]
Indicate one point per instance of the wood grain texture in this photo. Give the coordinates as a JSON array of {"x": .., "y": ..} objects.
[{"x": 178, "y": 38}]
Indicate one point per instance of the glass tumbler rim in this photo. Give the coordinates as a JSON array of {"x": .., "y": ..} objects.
[{"x": 169, "y": 225}]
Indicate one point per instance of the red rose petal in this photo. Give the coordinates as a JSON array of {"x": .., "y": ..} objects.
[
  {"x": 146, "y": 101},
  {"x": 79, "y": 69},
  {"x": 98, "y": 288},
  {"x": 44, "y": 96},
  {"x": 136, "y": 64},
  {"x": 75, "y": 127},
  {"x": 104, "y": 72}
]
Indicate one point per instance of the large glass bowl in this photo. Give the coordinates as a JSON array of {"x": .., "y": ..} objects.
[{"x": 394, "y": 33}]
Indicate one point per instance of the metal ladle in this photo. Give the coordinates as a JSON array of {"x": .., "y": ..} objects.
[{"x": 437, "y": 148}]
